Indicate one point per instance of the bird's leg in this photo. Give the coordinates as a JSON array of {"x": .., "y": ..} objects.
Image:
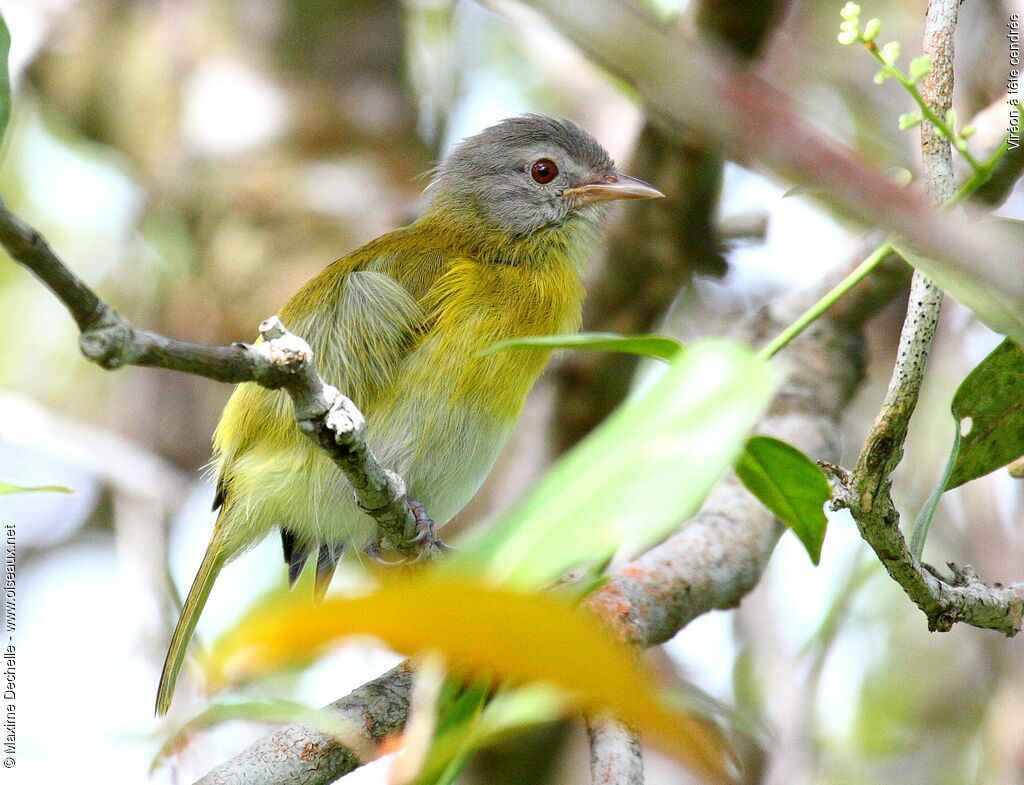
[{"x": 426, "y": 531}]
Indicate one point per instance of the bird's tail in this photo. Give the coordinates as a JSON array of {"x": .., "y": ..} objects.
[{"x": 213, "y": 561}]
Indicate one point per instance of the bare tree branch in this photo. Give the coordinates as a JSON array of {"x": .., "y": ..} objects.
[
  {"x": 301, "y": 755},
  {"x": 616, "y": 755},
  {"x": 867, "y": 492},
  {"x": 281, "y": 361},
  {"x": 937, "y": 91}
]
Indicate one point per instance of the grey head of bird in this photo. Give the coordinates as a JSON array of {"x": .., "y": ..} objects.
[{"x": 531, "y": 172}]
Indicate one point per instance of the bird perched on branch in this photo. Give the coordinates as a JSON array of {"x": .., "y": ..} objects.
[{"x": 399, "y": 326}]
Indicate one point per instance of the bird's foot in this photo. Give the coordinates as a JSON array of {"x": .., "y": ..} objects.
[
  {"x": 374, "y": 549},
  {"x": 426, "y": 532},
  {"x": 424, "y": 539}
]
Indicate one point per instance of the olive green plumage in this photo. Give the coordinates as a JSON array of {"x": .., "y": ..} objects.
[{"x": 399, "y": 326}]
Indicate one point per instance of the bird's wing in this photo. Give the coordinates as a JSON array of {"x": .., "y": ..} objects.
[
  {"x": 362, "y": 316},
  {"x": 360, "y": 325}
]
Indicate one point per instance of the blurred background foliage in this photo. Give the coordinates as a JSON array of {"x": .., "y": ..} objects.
[{"x": 195, "y": 161}]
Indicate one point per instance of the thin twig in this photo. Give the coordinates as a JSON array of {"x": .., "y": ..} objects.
[
  {"x": 331, "y": 420},
  {"x": 937, "y": 92},
  {"x": 867, "y": 493},
  {"x": 944, "y": 601},
  {"x": 281, "y": 361}
]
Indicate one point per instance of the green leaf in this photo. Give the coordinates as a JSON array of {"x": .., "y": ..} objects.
[
  {"x": 789, "y": 484},
  {"x": 6, "y": 487},
  {"x": 992, "y": 397},
  {"x": 5, "y": 78},
  {"x": 630, "y": 482},
  {"x": 995, "y": 308},
  {"x": 455, "y": 737},
  {"x": 661, "y": 347}
]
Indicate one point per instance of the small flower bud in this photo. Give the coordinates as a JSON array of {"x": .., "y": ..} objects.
[
  {"x": 899, "y": 175},
  {"x": 909, "y": 120},
  {"x": 919, "y": 68}
]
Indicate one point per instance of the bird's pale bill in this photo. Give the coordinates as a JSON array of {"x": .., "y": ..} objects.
[{"x": 613, "y": 186}]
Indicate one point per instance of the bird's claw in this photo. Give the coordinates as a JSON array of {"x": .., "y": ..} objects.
[
  {"x": 425, "y": 533},
  {"x": 373, "y": 550}
]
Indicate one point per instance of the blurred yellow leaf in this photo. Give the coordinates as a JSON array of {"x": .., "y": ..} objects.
[{"x": 478, "y": 629}]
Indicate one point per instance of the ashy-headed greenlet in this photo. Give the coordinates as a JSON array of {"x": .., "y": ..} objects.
[{"x": 399, "y": 326}]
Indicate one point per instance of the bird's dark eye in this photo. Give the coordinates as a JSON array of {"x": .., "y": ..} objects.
[{"x": 544, "y": 171}]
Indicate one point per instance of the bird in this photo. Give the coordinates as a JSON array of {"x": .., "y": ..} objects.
[{"x": 400, "y": 326}]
